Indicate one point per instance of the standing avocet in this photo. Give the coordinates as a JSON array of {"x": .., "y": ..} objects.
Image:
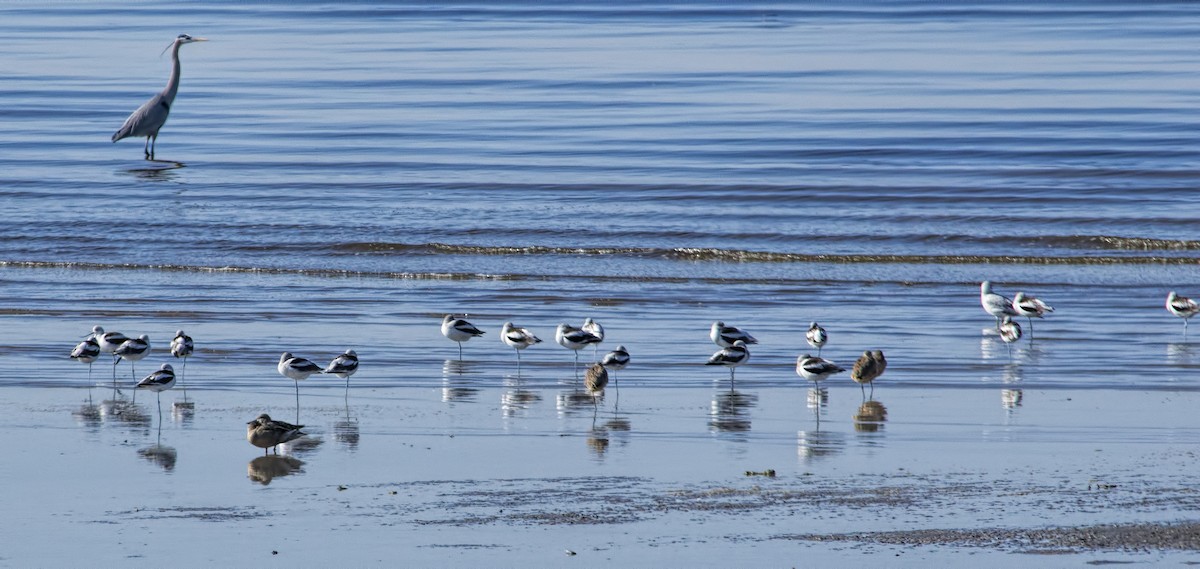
[
  {"x": 816, "y": 337},
  {"x": 158, "y": 382},
  {"x": 297, "y": 369},
  {"x": 731, "y": 357},
  {"x": 816, "y": 368},
  {"x": 1182, "y": 307},
  {"x": 996, "y": 305},
  {"x": 725, "y": 336},
  {"x": 517, "y": 338},
  {"x": 1030, "y": 307},
  {"x": 87, "y": 352},
  {"x": 459, "y": 331},
  {"x": 344, "y": 366}
]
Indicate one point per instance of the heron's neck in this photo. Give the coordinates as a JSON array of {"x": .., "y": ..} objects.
[{"x": 173, "y": 82}]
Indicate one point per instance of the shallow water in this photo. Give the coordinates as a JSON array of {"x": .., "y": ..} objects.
[{"x": 342, "y": 176}]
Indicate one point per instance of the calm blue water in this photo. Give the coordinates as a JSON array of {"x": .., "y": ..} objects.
[
  {"x": 340, "y": 175},
  {"x": 343, "y": 174}
]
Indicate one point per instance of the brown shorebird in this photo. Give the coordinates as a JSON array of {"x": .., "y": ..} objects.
[
  {"x": 265, "y": 433},
  {"x": 869, "y": 366}
]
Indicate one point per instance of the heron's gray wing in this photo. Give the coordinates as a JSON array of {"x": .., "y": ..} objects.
[{"x": 146, "y": 120}]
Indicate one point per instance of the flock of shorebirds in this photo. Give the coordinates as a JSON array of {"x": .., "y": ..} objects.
[{"x": 267, "y": 433}]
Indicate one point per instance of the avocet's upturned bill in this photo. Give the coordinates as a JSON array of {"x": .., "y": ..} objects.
[
  {"x": 816, "y": 337},
  {"x": 815, "y": 368},
  {"x": 994, "y": 304},
  {"x": 726, "y": 336},
  {"x": 731, "y": 357},
  {"x": 459, "y": 330},
  {"x": 1182, "y": 307}
]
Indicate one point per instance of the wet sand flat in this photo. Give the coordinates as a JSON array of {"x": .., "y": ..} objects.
[{"x": 671, "y": 477}]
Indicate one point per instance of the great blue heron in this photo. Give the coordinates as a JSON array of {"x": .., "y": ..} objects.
[{"x": 151, "y": 116}]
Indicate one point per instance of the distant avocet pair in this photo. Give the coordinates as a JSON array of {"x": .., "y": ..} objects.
[
  {"x": 297, "y": 369},
  {"x": 1004, "y": 308}
]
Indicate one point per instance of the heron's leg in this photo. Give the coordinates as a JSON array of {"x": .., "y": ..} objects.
[{"x": 153, "y": 142}]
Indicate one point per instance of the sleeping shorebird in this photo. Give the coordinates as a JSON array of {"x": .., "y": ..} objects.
[
  {"x": 869, "y": 366},
  {"x": 594, "y": 328},
  {"x": 994, "y": 304},
  {"x": 109, "y": 342},
  {"x": 816, "y": 368},
  {"x": 1009, "y": 331},
  {"x": 1030, "y": 307},
  {"x": 517, "y": 338},
  {"x": 1182, "y": 307},
  {"x": 615, "y": 360},
  {"x": 574, "y": 339},
  {"x": 265, "y": 433},
  {"x": 158, "y": 382},
  {"x": 297, "y": 369},
  {"x": 816, "y": 337},
  {"x": 731, "y": 357},
  {"x": 459, "y": 331},
  {"x": 182, "y": 346},
  {"x": 725, "y": 336},
  {"x": 344, "y": 366},
  {"x": 87, "y": 352},
  {"x": 596, "y": 379},
  {"x": 133, "y": 350}
]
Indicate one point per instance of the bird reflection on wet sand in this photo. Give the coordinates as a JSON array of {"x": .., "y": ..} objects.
[
  {"x": 88, "y": 415},
  {"x": 515, "y": 400},
  {"x": 575, "y": 400},
  {"x": 124, "y": 412},
  {"x": 730, "y": 411},
  {"x": 597, "y": 441},
  {"x": 345, "y": 429},
  {"x": 456, "y": 386},
  {"x": 870, "y": 417},
  {"x": 1010, "y": 399},
  {"x": 818, "y": 401},
  {"x": 183, "y": 412},
  {"x": 817, "y": 443},
  {"x": 161, "y": 455},
  {"x": 1181, "y": 353},
  {"x": 263, "y": 469}
]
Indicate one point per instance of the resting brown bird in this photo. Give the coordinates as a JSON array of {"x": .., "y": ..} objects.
[
  {"x": 265, "y": 433},
  {"x": 869, "y": 366},
  {"x": 596, "y": 379}
]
